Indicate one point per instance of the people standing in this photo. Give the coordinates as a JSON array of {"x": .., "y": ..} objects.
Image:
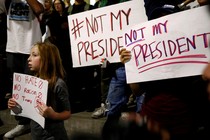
[
  {"x": 118, "y": 89},
  {"x": 3, "y": 41},
  {"x": 79, "y": 6},
  {"x": 48, "y": 10},
  {"x": 57, "y": 23},
  {"x": 84, "y": 83},
  {"x": 105, "y": 78},
  {"x": 3, "y": 36},
  {"x": 107, "y": 71},
  {"x": 23, "y": 30},
  {"x": 45, "y": 62},
  {"x": 206, "y": 78}
]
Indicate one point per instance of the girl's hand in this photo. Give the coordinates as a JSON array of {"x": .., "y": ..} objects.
[
  {"x": 46, "y": 111},
  {"x": 125, "y": 55},
  {"x": 14, "y": 106},
  {"x": 11, "y": 103}
]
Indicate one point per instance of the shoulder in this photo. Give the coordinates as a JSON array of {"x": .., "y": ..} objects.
[
  {"x": 96, "y": 5},
  {"x": 87, "y": 6},
  {"x": 91, "y": 7},
  {"x": 60, "y": 87},
  {"x": 60, "y": 82}
]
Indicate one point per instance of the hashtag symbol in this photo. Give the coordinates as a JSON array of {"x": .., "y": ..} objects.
[{"x": 76, "y": 28}]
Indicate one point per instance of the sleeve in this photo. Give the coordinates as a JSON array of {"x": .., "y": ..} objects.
[
  {"x": 2, "y": 6},
  {"x": 62, "y": 96},
  {"x": 41, "y": 1}
]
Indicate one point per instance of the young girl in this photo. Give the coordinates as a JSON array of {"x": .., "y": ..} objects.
[{"x": 45, "y": 62}]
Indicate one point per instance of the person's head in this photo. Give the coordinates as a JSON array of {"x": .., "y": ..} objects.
[
  {"x": 134, "y": 126},
  {"x": 48, "y": 5},
  {"x": 203, "y": 2},
  {"x": 158, "y": 8},
  {"x": 59, "y": 6},
  {"x": 79, "y": 1},
  {"x": 45, "y": 62},
  {"x": 67, "y": 3}
]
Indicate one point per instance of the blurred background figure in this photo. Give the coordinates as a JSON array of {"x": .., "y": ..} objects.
[
  {"x": 23, "y": 30},
  {"x": 84, "y": 80},
  {"x": 3, "y": 41}
]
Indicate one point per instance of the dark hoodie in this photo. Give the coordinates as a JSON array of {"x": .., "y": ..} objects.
[{"x": 158, "y": 8}]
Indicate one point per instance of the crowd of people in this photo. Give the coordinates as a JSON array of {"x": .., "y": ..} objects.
[{"x": 38, "y": 44}]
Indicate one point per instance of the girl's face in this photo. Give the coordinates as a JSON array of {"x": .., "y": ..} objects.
[{"x": 34, "y": 59}]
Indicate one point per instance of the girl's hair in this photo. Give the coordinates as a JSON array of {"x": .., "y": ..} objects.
[{"x": 51, "y": 66}]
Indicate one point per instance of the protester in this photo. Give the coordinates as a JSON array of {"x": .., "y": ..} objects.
[
  {"x": 206, "y": 72},
  {"x": 114, "y": 98},
  {"x": 118, "y": 92},
  {"x": 84, "y": 82},
  {"x": 171, "y": 102},
  {"x": 45, "y": 18},
  {"x": 3, "y": 36},
  {"x": 206, "y": 78},
  {"x": 3, "y": 41},
  {"x": 105, "y": 79},
  {"x": 45, "y": 62},
  {"x": 79, "y": 6},
  {"x": 135, "y": 126},
  {"x": 107, "y": 72},
  {"x": 23, "y": 30}
]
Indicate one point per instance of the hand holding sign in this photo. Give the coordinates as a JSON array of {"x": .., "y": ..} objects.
[
  {"x": 14, "y": 106},
  {"x": 167, "y": 48},
  {"x": 125, "y": 55},
  {"x": 28, "y": 93},
  {"x": 45, "y": 111}
]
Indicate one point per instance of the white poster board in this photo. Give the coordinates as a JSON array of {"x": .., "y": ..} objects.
[
  {"x": 172, "y": 46},
  {"x": 98, "y": 33},
  {"x": 28, "y": 91}
]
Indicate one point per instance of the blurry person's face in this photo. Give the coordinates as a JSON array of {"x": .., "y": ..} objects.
[
  {"x": 47, "y": 4},
  {"x": 58, "y": 6}
]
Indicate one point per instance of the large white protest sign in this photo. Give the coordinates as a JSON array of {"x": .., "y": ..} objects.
[
  {"x": 28, "y": 91},
  {"x": 98, "y": 33},
  {"x": 172, "y": 46}
]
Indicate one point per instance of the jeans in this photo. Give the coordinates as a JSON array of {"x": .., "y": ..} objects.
[
  {"x": 139, "y": 102},
  {"x": 117, "y": 97}
]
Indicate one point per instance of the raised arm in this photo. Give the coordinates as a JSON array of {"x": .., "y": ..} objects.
[{"x": 36, "y": 6}]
